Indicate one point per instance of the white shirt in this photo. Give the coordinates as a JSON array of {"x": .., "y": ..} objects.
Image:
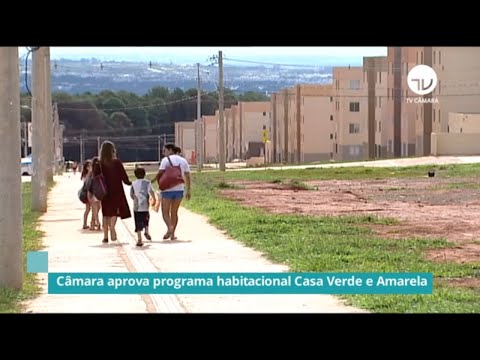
[
  {"x": 176, "y": 160},
  {"x": 140, "y": 192}
]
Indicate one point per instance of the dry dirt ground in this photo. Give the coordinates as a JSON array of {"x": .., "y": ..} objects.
[{"x": 428, "y": 207}]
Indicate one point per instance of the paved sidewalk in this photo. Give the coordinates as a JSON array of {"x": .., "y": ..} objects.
[{"x": 71, "y": 249}]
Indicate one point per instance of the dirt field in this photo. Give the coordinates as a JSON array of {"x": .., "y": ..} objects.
[{"x": 429, "y": 207}]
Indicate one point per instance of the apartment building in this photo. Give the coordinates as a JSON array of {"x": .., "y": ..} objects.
[
  {"x": 375, "y": 75},
  {"x": 307, "y": 117},
  {"x": 185, "y": 138},
  {"x": 251, "y": 118},
  {"x": 409, "y": 124},
  {"x": 350, "y": 113},
  {"x": 463, "y": 123},
  {"x": 231, "y": 128},
  {"x": 210, "y": 133},
  {"x": 458, "y": 87}
]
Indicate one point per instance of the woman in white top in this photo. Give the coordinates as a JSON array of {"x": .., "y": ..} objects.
[{"x": 171, "y": 198}]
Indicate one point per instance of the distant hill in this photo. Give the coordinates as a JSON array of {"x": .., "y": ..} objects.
[{"x": 93, "y": 75}]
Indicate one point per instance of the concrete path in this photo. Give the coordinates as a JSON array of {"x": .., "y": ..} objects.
[{"x": 71, "y": 249}]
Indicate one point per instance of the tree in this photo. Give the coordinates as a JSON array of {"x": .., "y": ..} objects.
[{"x": 120, "y": 120}]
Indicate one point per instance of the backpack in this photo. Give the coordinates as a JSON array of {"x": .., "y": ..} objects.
[
  {"x": 83, "y": 192},
  {"x": 171, "y": 177},
  {"x": 99, "y": 186}
]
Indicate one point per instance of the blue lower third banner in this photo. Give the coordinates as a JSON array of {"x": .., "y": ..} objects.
[{"x": 240, "y": 283}]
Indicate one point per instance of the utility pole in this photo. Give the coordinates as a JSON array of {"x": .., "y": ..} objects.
[
  {"x": 159, "y": 149},
  {"x": 221, "y": 145},
  {"x": 82, "y": 160},
  {"x": 25, "y": 143},
  {"x": 285, "y": 125},
  {"x": 40, "y": 147},
  {"x": 11, "y": 262},
  {"x": 61, "y": 129},
  {"x": 199, "y": 126},
  {"x": 49, "y": 115},
  {"x": 56, "y": 138}
]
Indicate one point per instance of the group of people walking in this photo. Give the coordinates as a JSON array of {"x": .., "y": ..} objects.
[{"x": 103, "y": 179}]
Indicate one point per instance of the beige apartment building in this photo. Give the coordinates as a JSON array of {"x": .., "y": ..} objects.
[
  {"x": 351, "y": 113},
  {"x": 375, "y": 75},
  {"x": 463, "y": 123},
  {"x": 210, "y": 133},
  {"x": 231, "y": 130},
  {"x": 411, "y": 118},
  {"x": 252, "y": 118},
  {"x": 185, "y": 138},
  {"x": 307, "y": 117}
]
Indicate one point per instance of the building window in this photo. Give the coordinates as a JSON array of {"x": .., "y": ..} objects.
[
  {"x": 354, "y": 85},
  {"x": 380, "y": 77},
  {"x": 439, "y": 57},
  {"x": 434, "y": 115},
  {"x": 354, "y": 128},
  {"x": 331, "y": 98},
  {"x": 331, "y": 117},
  {"x": 264, "y": 113},
  {"x": 416, "y": 57},
  {"x": 354, "y": 150},
  {"x": 434, "y": 53},
  {"x": 439, "y": 86},
  {"x": 421, "y": 57},
  {"x": 331, "y": 136},
  {"x": 336, "y": 148},
  {"x": 354, "y": 107}
]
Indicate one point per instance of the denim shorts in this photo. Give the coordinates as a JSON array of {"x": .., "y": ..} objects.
[{"x": 172, "y": 195}]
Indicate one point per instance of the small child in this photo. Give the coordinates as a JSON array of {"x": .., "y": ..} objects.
[{"x": 141, "y": 192}]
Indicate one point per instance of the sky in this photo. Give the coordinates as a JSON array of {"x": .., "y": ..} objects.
[{"x": 302, "y": 55}]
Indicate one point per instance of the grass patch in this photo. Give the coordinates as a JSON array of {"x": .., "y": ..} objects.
[
  {"x": 10, "y": 300},
  {"x": 224, "y": 185},
  {"x": 457, "y": 185},
  {"x": 395, "y": 189},
  {"x": 321, "y": 244},
  {"x": 345, "y": 173},
  {"x": 299, "y": 185}
]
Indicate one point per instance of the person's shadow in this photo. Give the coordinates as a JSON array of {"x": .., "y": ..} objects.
[{"x": 177, "y": 241}]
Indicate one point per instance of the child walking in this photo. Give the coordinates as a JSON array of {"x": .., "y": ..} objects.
[{"x": 141, "y": 192}]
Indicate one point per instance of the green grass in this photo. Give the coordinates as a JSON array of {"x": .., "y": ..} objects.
[
  {"x": 10, "y": 300},
  {"x": 346, "y": 173},
  {"x": 457, "y": 185},
  {"x": 339, "y": 244}
]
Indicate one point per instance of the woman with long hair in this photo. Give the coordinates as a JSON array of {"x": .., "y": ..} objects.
[{"x": 114, "y": 204}]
